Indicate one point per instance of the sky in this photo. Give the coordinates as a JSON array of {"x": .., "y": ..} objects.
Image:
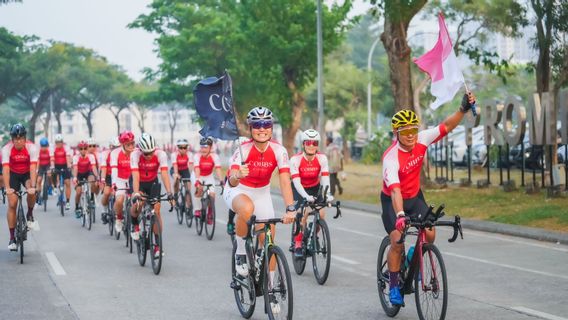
[{"x": 96, "y": 24}]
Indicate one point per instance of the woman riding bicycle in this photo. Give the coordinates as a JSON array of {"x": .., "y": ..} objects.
[
  {"x": 204, "y": 163},
  {"x": 247, "y": 191},
  {"x": 307, "y": 168},
  {"x": 182, "y": 166},
  {"x": 105, "y": 177},
  {"x": 44, "y": 165},
  {"x": 401, "y": 194},
  {"x": 84, "y": 168}
]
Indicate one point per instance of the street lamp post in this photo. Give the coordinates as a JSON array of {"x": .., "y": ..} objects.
[{"x": 370, "y": 77}]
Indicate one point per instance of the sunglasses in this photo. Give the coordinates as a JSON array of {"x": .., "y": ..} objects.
[
  {"x": 92, "y": 145},
  {"x": 266, "y": 124},
  {"x": 182, "y": 148},
  {"x": 81, "y": 149},
  {"x": 310, "y": 143},
  {"x": 147, "y": 154},
  {"x": 407, "y": 132}
]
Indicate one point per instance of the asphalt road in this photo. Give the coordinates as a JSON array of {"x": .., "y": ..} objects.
[{"x": 71, "y": 273}]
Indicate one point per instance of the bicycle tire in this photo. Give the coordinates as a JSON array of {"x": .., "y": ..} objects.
[
  {"x": 248, "y": 294},
  {"x": 298, "y": 262},
  {"x": 141, "y": 244},
  {"x": 383, "y": 279},
  {"x": 21, "y": 230},
  {"x": 44, "y": 192},
  {"x": 433, "y": 272},
  {"x": 282, "y": 291},
  {"x": 61, "y": 204},
  {"x": 110, "y": 215},
  {"x": 156, "y": 240},
  {"x": 322, "y": 250},
  {"x": 189, "y": 216},
  {"x": 90, "y": 214},
  {"x": 180, "y": 207},
  {"x": 199, "y": 220},
  {"x": 210, "y": 228}
]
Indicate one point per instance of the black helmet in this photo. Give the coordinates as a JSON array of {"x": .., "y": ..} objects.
[
  {"x": 18, "y": 130},
  {"x": 206, "y": 141}
]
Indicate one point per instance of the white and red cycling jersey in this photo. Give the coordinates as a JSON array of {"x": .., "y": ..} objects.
[
  {"x": 402, "y": 168},
  {"x": 183, "y": 161},
  {"x": 206, "y": 164},
  {"x": 104, "y": 159},
  {"x": 84, "y": 164},
  {"x": 260, "y": 164},
  {"x": 45, "y": 156},
  {"x": 148, "y": 169},
  {"x": 60, "y": 155},
  {"x": 120, "y": 165},
  {"x": 309, "y": 172},
  {"x": 97, "y": 155},
  {"x": 19, "y": 161}
]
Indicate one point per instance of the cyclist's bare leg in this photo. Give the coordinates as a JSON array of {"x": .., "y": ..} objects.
[
  {"x": 31, "y": 197},
  {"x": 78, "y": 192},
  {"x": 243, "y": 207},
  {"x": 136, "y": 208},
  {"x": 395, "y": 251},
  {"x": 188, "y": 194},
  {"x": 67, "y": 189},
  {"x": 39, "y": 182},
  {"x": 94, "y": 185},
  {"x": 118, "y": 205},
  {"x": 176, "y": 186},
  {"x": 106, "y": 195},
  {"x": 11, "y": 216},
  {"x": 157, "y": 208}
]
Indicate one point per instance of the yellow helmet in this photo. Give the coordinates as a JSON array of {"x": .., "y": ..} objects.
[{"x": 404, "y": 118}]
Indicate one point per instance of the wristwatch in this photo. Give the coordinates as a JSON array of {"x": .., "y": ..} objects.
[{"x": 290, "y": 208}]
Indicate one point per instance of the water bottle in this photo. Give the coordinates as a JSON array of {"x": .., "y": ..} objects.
[{"x": 409, "y": 256}]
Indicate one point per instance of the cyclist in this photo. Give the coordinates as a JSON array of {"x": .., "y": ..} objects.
[
  {"x": 44, "y": 166},
  {"x": 247, "y": 190},
  {"x": 204, "y": 163},
  {"x": 84, "y": 168},
  {"x": 106, "y": 181},
  {"x": 62, "y": 155},
  {"x": 19, "y": 165},
  {"x": 92, "y": 148},
  {"x": 401, "y": 194},
  {"x": 182, "y": 165},
  {"x": 146, "y": 162},
  {"x": 120, "y": 173},
  {"x": 307, "y": 168}
]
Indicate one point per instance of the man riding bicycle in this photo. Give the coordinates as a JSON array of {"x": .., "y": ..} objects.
[
  {"x": 401, "y": 194},
  {"x": 19, "y": 165},
  {"x": 45, "y": 163},
  {"x": 182, "y": 165},
  {"x": 145, "y": 163},
  {"x": 120, "y": 174},
  {"x": 84, "y": 168},
  {"x": 62, "y": 155},
  {"x": 92, "y": 148},
  {"x": 307, "y": 168},
  {"x": 247, "y": 191},
  {"x": 204, "y": 163},
  {"x": 106, "y": 180}
]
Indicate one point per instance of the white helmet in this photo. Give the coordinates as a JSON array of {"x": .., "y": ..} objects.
[
  {"x": 310, "y": 134},
  {"x": 182, "y": 142},
  {"x": 59, "y": 138},
  {"x": 91, "y": 141},
  {"x": 146, "y": 143},
  {"x": 259, "y": 113},
  {"x": 114, "y": 142}
]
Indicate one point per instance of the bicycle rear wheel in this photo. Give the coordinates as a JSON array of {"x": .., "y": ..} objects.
[
  {"x": 199, "y": 220},
  {"x": 21, "y": 232},
  {"x": 142, "y": 243},
  {"x": 278, "y": 293},
  {"x": 210, "y": 219},
  {"x": 156, "y": 241},
  {"x": 383, "y": 279},
  {"x": 298, "y": 262},
  {"x": 189, "y": 216},
  {"x": 432, "y": 286},
  {"x": 321, "y": 252},
  {"x": 180, "y": 207},
  {"x": 243, "y": 288},
  {"x": 89, "y": 213},
  {"x": 44, "y": 192}
]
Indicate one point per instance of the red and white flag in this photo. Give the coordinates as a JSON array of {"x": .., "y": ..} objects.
[{"x": 442, "y": 66}]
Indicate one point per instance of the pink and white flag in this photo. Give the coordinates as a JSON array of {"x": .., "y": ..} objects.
[{"x": 442, "y": 66}]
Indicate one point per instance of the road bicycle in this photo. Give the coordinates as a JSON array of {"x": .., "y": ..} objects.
[
  {"x": 21, "y": 232},
  {"x": 276, "y": 288},
  {"x": 423, "y": 272},
  {"x": 61, "y": 190},
  {"x": 110, "y": 216},
  {"x": 207, "y": 217},
  {"x": 87, "y": 204},
  {"x": 44, "y": 190},
  {"x": 316, "y": 241},
  {"x": 151, "y": 234},
  {"x": 182, "y": 210}
]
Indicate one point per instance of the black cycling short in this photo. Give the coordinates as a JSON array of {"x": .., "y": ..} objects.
[
  {"x": 18, "y": 179},
  {"x": 84, "y": 176},
  {"x": 64, "y": 170},
  {"x": 42, "y": 169},
  {"x": 412, "y": 207},
  {"x": 108, "y": 180},
  {"x": 150, "y": 189},
  {"x": 184, "y": 174},
  {"x": 312, "y": 191}
]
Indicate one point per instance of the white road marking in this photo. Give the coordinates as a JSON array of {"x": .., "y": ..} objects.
[
  {"x": 352, "y": 270},
  {"x": 537, "y": 313},
  {"x": 518, "y": 241},
  {"x": 375, "y": 236},
  {"x": 553, "y": 275},
  {"x": 55, "y": 265},
  {"x": 345, "y": 260}
]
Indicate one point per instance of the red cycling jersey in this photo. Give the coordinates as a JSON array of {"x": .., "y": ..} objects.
[
  {"x": 309, "y": 172},
  {"x": 402, "y": 168},
  {"x": 261, "y": 164},
  {"x": 44, "y": 156},
  {"x": 182, "y": 161},
  {"x": 206, "y": 164},
  {"x": 60, "y": 154},
  {"x": 148, "y": 169},
  {"x": 120, "y": 164},
  {"x": 19, "y": 161},
  {"x": 83, "y": 164}
]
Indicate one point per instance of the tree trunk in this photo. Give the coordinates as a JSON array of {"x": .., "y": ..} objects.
[
  {"x": 58, "y": 119},
  {"x": 117, "y": 118},
  {"x": 87, "y": 118},
  {"x": 299, "y": 104}
]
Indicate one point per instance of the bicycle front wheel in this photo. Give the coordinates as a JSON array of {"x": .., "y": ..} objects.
[
  {"x": 21, "y": 233},
  {"x": 298, "y": 262},
  {"x": 321, "y": 252},
  {"x": 210, "y": 220},
  {"x": 199, "y": 220},
  {"x": 89, "y": 212},
  {"x": 278, "y": 293},
  {"x": 180, "y": 207},
  {"x": 383, "y": 279},
  {"x": 156, "y": 244},
  {"x": 141, "y": 244},
  {"x": 189, "y": 216},
  {"x": 432, "y": 285},
  {"x": 243, "y": 288}
]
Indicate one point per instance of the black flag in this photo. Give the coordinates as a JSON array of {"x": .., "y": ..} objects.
[{"x": 213, "y": 99}]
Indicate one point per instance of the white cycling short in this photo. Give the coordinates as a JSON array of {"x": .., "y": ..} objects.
[
  {"x": 261, "y": 198},
  {"x": 121, "y": 185}
]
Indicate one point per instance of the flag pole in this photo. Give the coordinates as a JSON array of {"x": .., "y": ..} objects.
[
  {"x": 473, "y": 112},
  {"x": 235, "y": 115}
]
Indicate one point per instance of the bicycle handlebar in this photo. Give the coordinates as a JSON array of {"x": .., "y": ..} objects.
[
  {"x": 154, "y": 200},
  {"x": 430, "y": 220}
]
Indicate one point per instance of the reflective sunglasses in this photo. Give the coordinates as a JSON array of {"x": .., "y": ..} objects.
[
  {"x": 147, "y": 154},
  {"x": 182, "y": 148},
  {"x": 266, "y": 124},
  {"x": 407, "y": 132},
  {"x": 310, "y": 143}
]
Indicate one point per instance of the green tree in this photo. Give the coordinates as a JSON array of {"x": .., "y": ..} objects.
[{"x": 11, "y": 47}]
